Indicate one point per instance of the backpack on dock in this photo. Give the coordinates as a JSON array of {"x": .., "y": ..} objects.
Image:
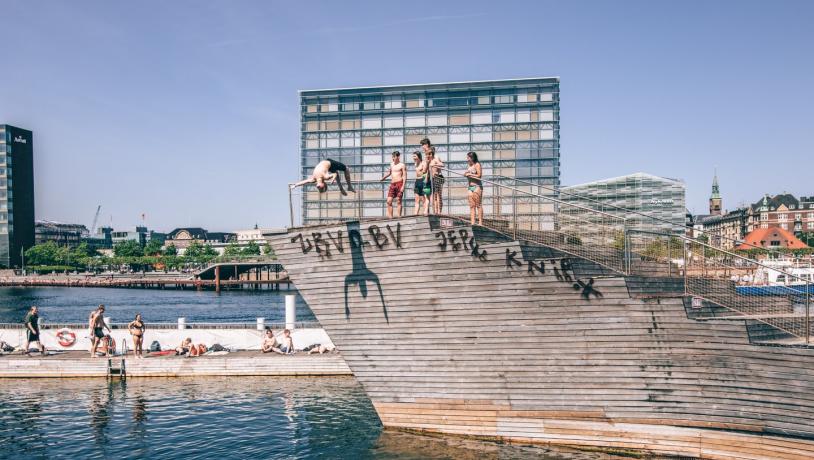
[{"x": 155, "y": 346}]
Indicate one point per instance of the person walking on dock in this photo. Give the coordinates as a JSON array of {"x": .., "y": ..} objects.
[
  {"x": 96, "y": 324},
  {"x": 398, "y": 178},
  {"x": 32, "y": 329},
  {"x": 136, "y": 328},
  {"x": 325, "y": 172}
]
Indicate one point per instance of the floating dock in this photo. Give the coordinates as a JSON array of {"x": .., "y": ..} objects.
[{"x": 241, "y": 363}]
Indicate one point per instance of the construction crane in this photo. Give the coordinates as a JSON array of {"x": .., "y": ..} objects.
[{"x": 95, "y": 220}]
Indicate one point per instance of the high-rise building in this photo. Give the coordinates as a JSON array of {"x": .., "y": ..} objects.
[
  {"x": 16, "y": 194},
  {"x": 513, "y": 126}
]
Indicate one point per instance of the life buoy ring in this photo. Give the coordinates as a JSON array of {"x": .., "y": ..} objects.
[{"x": 66, "y": 338}]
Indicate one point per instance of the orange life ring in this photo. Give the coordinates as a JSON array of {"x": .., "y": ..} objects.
[{"x": 66, "y": 338}]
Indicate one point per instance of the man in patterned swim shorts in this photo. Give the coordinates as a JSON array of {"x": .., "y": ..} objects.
[{"x": 398, "y": 178}]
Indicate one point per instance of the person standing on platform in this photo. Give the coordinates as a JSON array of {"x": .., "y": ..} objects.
[
  {"x": 475, "y": 190},
  {"x": 326, "y": 172},
  {"x": 32, "y": 329},
  {"x": 434, "y": 166},
  {"x": 398, "y": 178},
  {"x": 421, "y": 199},
  {"x": 97, "y": 326},
  {"x": 136, "y": 328}
]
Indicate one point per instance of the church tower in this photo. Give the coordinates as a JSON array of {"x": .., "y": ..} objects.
[{"x": 715, "y": 198}]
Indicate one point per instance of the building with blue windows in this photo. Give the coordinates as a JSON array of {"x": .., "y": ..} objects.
[
  {"x": 16, "y": 194},
  {"x": 513, "y": 125}
]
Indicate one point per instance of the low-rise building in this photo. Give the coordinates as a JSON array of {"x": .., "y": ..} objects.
[
  {"x": 771, "y": 238},
  {"x": 182, "y": 237},
  {"x": 784, "y": 211},
  {"x": 70, "y": 235}
]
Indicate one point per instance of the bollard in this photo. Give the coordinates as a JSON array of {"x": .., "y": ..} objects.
[
  {"x": 290, "y": 311},
  {"x": 261, "y": 324},
  {"x": 182, "y": 323}
]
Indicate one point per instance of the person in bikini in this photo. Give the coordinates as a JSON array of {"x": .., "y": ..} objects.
[
  {"x": 398, "y": 178},
  {"x": 97, "y": 326},
  {"x": 136, "y": 328},
  {"x": 475, "y": 191},
  {"x": 421, "y": 199},
  {"x": 326, "y": 172}
]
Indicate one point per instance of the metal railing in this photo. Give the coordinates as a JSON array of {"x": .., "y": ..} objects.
[{"x": 601, "y": 233}]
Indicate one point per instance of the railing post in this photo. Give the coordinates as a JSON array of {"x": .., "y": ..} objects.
[
  {"x": 291, "y": 204},
  {"x": 514, "y": 213},
  {"x": 686, "y": 265},
  {"x": 808, "y": 313},
  {"x": 625, "y": 248}
]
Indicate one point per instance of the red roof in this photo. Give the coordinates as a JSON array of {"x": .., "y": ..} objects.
[{"x": 763, "y": 237}]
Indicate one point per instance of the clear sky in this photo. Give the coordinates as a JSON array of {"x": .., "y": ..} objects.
[{"x": 187, "y": 111}]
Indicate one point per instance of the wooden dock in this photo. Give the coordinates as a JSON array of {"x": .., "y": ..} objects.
[{"x": 241, "y": 363}]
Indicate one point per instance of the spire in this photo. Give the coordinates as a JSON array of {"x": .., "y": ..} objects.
[{"x": 716, "y": 193}]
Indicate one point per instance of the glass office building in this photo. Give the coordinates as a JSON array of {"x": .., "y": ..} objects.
[
  {"x": 16, "y": 194},
  {"x": 513, "y": 125},
  {"x": 650, "y": 195}
]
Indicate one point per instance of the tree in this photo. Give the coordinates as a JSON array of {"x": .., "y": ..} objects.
[
  {"x": 267, "y": 250},
  {"x": 47, "y": 253},
  {"x": 171, "y": 250},
  {"x": 232, "y": 249},
  {"x": 128, "y": 248},
  {"x": 152, "y": 248},
  {"x": 197, "y": 250},
  {"x": 251, "y": 249}
]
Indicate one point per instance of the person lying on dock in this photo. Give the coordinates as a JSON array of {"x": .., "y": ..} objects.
[
  {"x": 270, "y": 343},
  {"x": 318, "y": 348},
  {"x": 196, "y": 350},
  {"x": 325, "y": 172}
]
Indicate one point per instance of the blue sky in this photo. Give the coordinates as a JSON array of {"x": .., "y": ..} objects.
[{"x": 187, "y": 111}]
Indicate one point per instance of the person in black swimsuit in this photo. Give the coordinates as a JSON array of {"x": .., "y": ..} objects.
[{"x": 325, "y": 172}]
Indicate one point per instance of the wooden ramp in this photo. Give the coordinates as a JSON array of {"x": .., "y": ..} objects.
[{"x": 479, "y": 336}]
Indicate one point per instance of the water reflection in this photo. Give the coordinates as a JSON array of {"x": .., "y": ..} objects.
[{"x": 217, "y": 418}]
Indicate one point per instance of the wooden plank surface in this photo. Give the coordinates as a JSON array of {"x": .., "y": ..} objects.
[{"x": 538, "y": 338}]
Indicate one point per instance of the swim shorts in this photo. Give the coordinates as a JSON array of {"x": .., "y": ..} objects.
[
  {"x": 336, "y": 166},
  {"x": 98, "y": 332},
  {"x": 396, "y": 190},
  {"x": 419, "y": 187}
]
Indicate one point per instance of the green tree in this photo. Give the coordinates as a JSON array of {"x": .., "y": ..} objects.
[
  {"x": 128, "y": 248},
  {"x": 232, "y": 249},
  {"x": 199, "y": 251},
  {"x": 171, "y": 250},
  {"x": 251, "y": 249},
  {"x": 43, "y": 254},
  {"x": 268, "y": 250},
  {"x": 152, "y": 248}
]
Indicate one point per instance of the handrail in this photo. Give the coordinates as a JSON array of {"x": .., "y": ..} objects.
[
  {"x": 732, "y": 254},
  {"x": 555, "y": 200}
]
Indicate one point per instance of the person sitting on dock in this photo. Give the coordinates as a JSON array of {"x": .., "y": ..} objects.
[
  {"x": 32, "y": 329},
  {"x": 270, "y": 343},
  {"x": 287, "y": 343},
  {"x": 184, "y": 347},
  {"x": 325, "y": 172},
  {"x": 97, "y": 325}
]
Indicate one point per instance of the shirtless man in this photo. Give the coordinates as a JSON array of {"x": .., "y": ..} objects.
[
  {"x": 270, "y": 343},
  {"x": 96, "y": 324},
  {"x": 435, "y": 176},
  {"x": 326, "y": 172},
  {"x": 398, "y": 178}
]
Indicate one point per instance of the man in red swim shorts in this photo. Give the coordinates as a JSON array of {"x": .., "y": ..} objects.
[{"x": 398, "y": 177}]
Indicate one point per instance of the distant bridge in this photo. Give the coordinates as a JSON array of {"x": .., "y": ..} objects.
[{"x": 257, "y": 271}]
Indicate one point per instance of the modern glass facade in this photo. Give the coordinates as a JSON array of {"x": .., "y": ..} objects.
[
  {"x": 650, "y": 195},
  {"x": 513, "y": 125},
  {"x": 16, "y": 194}
]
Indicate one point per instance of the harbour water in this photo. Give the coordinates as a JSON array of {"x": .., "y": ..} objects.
[
  {"x": 206, "y": 417},
  {"x": 73, "y": 304},
  {"x": 219, "y": 418}
]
